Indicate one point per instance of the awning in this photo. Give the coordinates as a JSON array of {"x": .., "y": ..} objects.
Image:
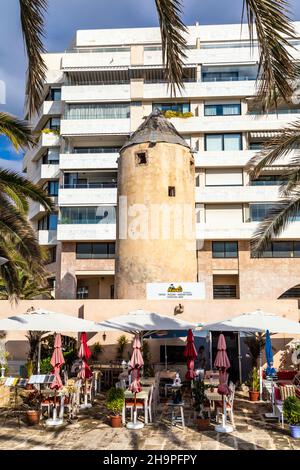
[{"x": 263, "y": 134}]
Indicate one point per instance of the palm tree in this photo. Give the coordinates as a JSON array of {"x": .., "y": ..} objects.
[
  {"x": 31, "y": 277},
  {"x": 15, "y": 191},
  {"x": 288, "y": 208}
]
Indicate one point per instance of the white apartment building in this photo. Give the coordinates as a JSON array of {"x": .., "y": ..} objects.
[{"x": 96, "y": 94}]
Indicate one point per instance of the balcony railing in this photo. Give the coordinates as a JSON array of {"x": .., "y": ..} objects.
[{"x": 92, "y": 185}]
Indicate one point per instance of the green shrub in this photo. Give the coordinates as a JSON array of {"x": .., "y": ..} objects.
[
  {"x": 177, "y": 114},
  {"x": 97, "y": 350},
  {"x": 115, "y": 400},
  {"x": 291, "y": 410},
  {"x": 253, "y": 381},
  {"x": 46, "y": 367},
  {"x": 199, "y": 397}
]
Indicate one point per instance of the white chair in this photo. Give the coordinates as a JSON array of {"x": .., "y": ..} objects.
[
  {"x": 229, "y": 405},
  {"x": 129, "y": 405}
]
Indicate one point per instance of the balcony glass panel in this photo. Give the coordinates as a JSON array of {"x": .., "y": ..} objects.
[
  {"x": 98, "y": 111},
  {"x": 88, "y": 215},
  {"x": 230, "y": 73},
  {"x": 222, "y": 109}
]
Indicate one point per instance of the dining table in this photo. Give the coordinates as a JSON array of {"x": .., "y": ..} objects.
[{"x": 143, "y": 395}]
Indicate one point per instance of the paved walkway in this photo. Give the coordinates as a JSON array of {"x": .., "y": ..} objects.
[{"x": 92, "y": 431}]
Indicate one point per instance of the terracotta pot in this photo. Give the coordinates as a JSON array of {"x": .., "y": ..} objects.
[
  {"x": 33, "y": 417},
  {"x": 253, "y": 395},
  {"x": 203, "y": 424},
  {"x": 116, "y": 421}
]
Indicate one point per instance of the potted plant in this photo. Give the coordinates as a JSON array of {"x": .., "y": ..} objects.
[
  {"x": 97, "y": 351},
  {"x": 122, "y": 343},
  {"x": 202, "y": 418},
  {"x": 33, "y": 413},
  {"x": 114, "y": 402},
  {"x": 291, "y": 413},
  {"x": 253, "y": 384}
]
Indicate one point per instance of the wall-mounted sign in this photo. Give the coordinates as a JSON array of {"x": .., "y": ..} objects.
[{"x": 175, "y": 290}]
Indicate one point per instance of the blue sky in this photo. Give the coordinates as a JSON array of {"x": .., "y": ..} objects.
[{"x": 64, "y": 17}]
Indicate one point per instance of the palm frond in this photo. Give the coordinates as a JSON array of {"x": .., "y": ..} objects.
[
  {"x": 15, "y": 225},
  {"x": 32, "y": 21},
  {"x": 173, "y": 41},
  {"x": 9, "y": 273},
  {"x": 281, "y": 215},
  {"x": 17, "y": 131},
  {"x": 291, "y": 181},
  {"x": 24, "y": 187},
  {"x": 276, "y": 69},
  {"x": 282, "y": 144},
  {"x": 18, "y": 199}
]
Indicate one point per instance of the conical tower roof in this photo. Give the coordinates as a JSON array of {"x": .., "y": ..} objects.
[{"x": 156, "y": 128}]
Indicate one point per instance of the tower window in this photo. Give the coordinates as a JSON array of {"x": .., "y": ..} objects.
[
  {"x": 141, "y": 158},
  {"x": 171, "y": 191}
]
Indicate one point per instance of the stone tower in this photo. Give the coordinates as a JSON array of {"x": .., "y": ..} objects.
[{"x": 156, "y": 210}]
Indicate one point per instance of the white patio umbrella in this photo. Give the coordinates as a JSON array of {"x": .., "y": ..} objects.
[
  {"x": 44, "y": 320},
  {"x": 144, "y": 323},
  {"x": 139, "y": 321},
  {"x": 255, "y": 322}
]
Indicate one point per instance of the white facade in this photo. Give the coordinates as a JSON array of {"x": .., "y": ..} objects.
[{"x": 98, "y": 93}]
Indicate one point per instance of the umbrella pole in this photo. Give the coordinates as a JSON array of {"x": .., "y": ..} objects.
[
  {"x": 240, "y": 358},
  {"x": 166, "y": 356},
  {"x": 260, "y": 376}
]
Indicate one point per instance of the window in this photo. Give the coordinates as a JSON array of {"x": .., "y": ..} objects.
[
  {"x": 220, "y": 142},
  {"x": 49, "y": 222},
  {"x": 88, "y": 215},
  {"x": 229, "y": 73},
  {"x": 98, "y": 111},
  {"x": 51, "y": 255},
  {"x": 51, "y": 157},
  {"x": 293, "y": 293},
  {"x": 259, "y": 212},
  {"x": 256, "y": 145},
  {"x": 55, "y": 94},
  {"x": 52, "y": 188},
  {"x": 95, "y": 250},
  {"x": 222, "y": 109},
  {"x": 83, "y": 292},
  {"x": 224, "y": 177},
  {"x": 177, "y": 107},
  {"x": 141, "y": 158},
  {"x": 224, "y": 291},
  {"x": 54, "y": 124},
  {"x": 175, "y": 354},
  {"x": 171, "y": 191},
  {"x": 112, "y": 291},
  {"x": 224, "y": 249},
  {"x": 281, "y": 249},
  {"x": 267, "y": 180}
]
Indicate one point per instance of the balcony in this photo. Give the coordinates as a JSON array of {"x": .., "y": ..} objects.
[
  {"x": 87, "y": 195},
  {"x": 233, "y": 194},
  {"x": 89, "y": 127},
  {"x": 237, "y": 123},
  {"x": 95, "y": 93},
  {"x": 86, "y": 232},
  {"x": 45, "y": 141},
  {"x": 35, "y": 209},
  {"x": 236, "y": 158},
  {"x": 91, "y": 60},
  {"x": 48, "y": 109},
  {"x": 242, "y": 231},
  {"x": 88, "y": 161},
  {"x": 47, "y": 237},
  {"x": 202, "y": 90}
]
